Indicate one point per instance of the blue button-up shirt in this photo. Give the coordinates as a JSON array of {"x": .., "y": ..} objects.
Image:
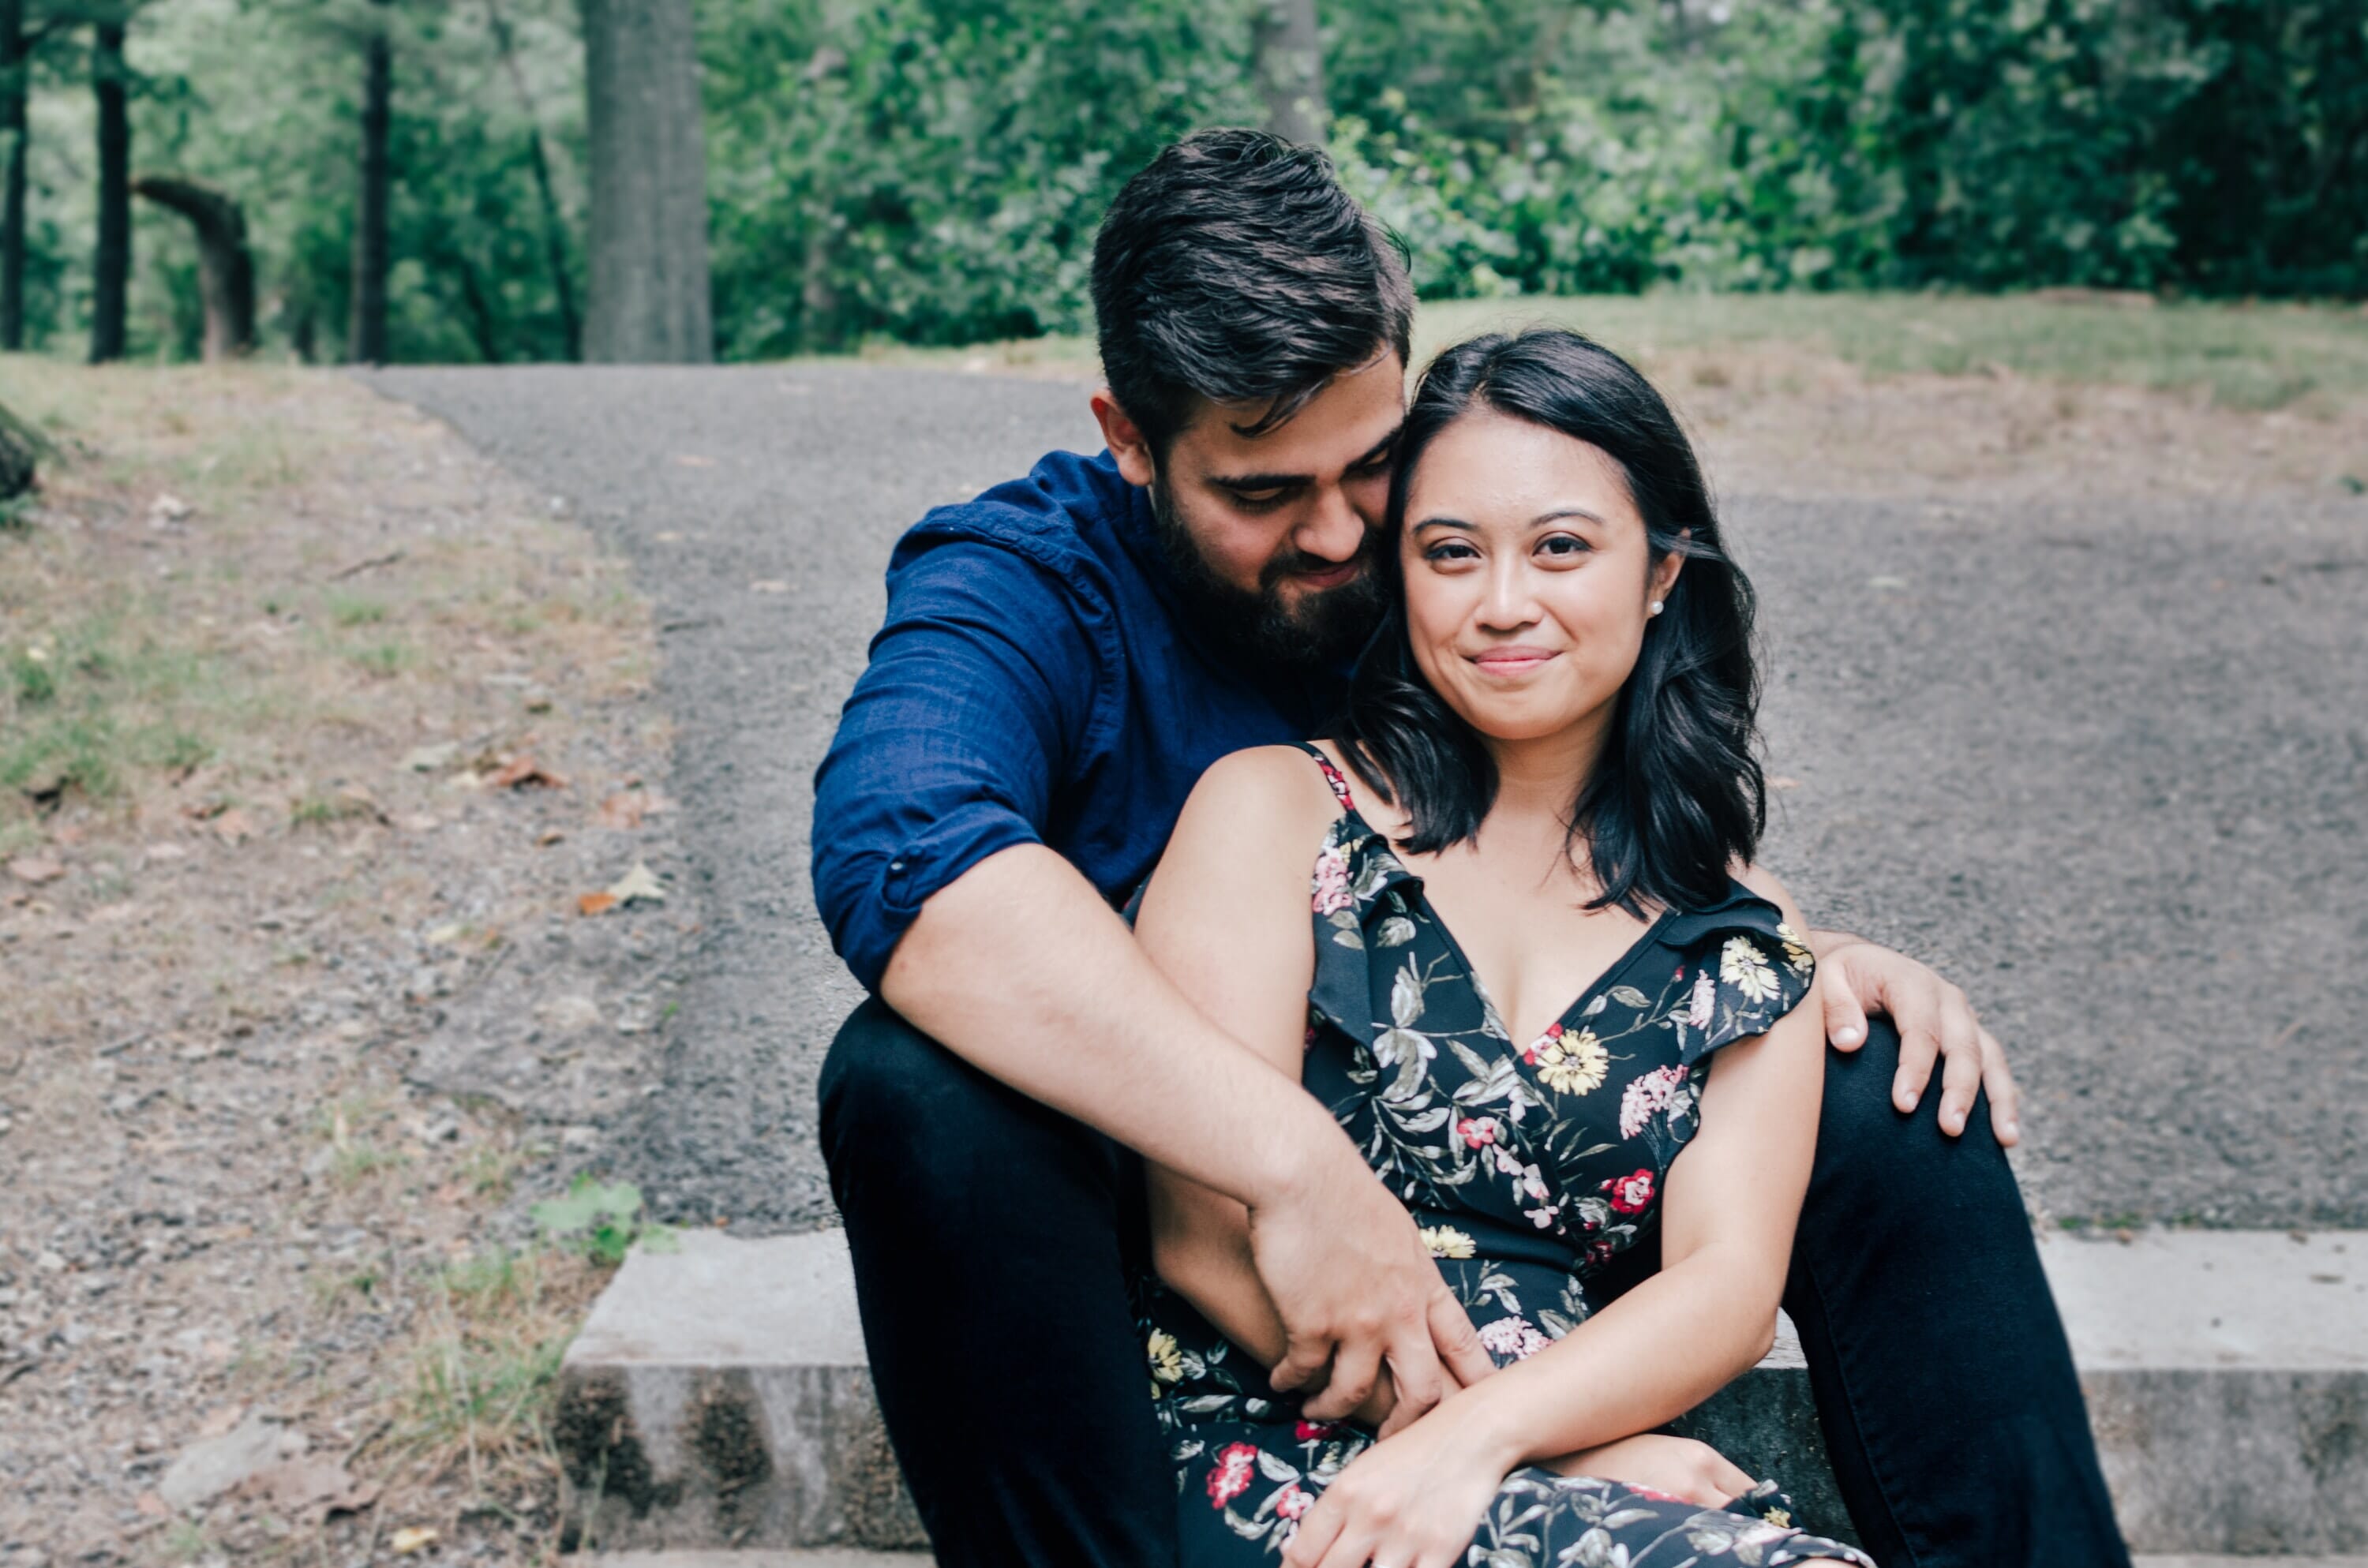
[{"x": 1034, "y": 684}]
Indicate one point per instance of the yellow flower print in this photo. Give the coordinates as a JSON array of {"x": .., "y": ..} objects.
[
  {"x": 1741, "y": 966},
  {"x": 1781, "y": 1517},
  {"x": 1796, "y": 951},
  {"x": 1446, "y": 1241},
  {"x": 1166, "y": 1359},
  {"x": 1570, "y": 1064}
]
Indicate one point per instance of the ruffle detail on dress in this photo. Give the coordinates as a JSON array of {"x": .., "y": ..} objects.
[
  {"x": 1350, "y": 898},
  {"x": 1749, "y": 969}
]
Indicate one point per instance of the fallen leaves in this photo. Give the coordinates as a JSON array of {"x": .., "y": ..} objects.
[
  {"x": 311, "y": 1488},
  {"x": 522, "y": 771},
  {"x": 411, "y": 1539},
  {"x": 233, "y": 826},
  {"x": 624, "y": 811},
  {"x": 639, "y": 885},
  {"x": 35, "y": 869}
]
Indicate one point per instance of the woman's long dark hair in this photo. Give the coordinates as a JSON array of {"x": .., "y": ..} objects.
[{"x": 1676, "y": 797}]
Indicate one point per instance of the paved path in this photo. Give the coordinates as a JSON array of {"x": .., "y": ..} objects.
[{"x": 2108, "y": 767}]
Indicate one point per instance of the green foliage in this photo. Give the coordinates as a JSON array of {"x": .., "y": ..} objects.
[
  {"x": 601, "y": 1222},
  {"x": 932, "y": 171}
]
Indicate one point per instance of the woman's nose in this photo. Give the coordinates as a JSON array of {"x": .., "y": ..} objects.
[{"x": 1508, "y": 604}]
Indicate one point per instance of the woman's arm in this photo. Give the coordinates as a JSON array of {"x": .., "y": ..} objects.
[{"x": 1225, "y": 918}]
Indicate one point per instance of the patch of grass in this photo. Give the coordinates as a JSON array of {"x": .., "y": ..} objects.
[
  {"x": 601, "y": 1222},
  {"x": 2242, "y": 356},
  {"x": 383, "y": 659},
  {"x": 479, "y": 1383},
  {"x": 354, "y": 609}
]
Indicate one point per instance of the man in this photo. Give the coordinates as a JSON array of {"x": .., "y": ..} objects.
[{"x": 1060, "y": 659}]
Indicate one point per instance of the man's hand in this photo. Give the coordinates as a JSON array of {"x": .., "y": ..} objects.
[
  {"x": 1357, "y": 1292},
  {"x": 1935, "y": 1022}
]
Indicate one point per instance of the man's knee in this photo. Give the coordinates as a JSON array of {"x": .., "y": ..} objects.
[
  {"x": 1870, "y": 1154},
  {"x": 898, "y": 1105}
]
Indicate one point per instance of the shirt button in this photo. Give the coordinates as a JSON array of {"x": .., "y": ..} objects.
[{"x": 895, "y": 865}]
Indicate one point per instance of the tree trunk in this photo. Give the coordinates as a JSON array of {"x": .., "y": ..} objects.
[
  {"x": 366, "y": 326},
  {"x": 648, "y": 300},
  {"x": 225, "y": 267},
  {"x": 15, "y": 89},
  {"x": 110, "y": 269},
  {"x": 554, "y": 227},
  {"x": 1291, "y": 70},
  {"x": 21, "y": 450}
]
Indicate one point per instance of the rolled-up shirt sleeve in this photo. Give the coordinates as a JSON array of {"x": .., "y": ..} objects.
[{"x": 983, "y": 679}]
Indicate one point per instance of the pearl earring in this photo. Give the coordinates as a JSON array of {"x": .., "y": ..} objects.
[{"x": 1655, "y": 608}]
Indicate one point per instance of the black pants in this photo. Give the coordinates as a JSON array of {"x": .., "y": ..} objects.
[{"x": 992, "y": 1239}]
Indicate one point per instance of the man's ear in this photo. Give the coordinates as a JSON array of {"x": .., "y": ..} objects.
[{"x": 1125, "y": 439}]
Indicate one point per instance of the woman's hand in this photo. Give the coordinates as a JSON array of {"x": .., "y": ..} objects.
[
  {"x": 1678, "y": 1466},
  {"x": 1413, "y": 1500}
]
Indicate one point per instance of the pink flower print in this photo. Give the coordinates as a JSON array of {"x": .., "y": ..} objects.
[
  {"x": 1513, "y": 1337},
  {"x": 1647, "y": 1096},
  {"x": 1294, "y": 1501},
  {"x": 1530, "y": 1051},
  {"x": 1477, "y": 1132},
  {"x": 1631, "y": 1194},
  {"x": 1331, "y": 882},
  {"x": 1705, "y": 998},
  {"x": 1311, "y": 1431},
  {"x": 1232, "y": 1476}
]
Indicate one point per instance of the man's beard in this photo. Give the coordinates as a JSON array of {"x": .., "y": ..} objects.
[{"x": 1258, "y": 626}]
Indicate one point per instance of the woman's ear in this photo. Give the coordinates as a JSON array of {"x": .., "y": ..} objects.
[
  {"x": 1125, "y": 440},
  {"x": 1665, "y": 574}
]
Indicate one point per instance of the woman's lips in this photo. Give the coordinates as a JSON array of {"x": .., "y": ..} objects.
[{"x": 1518, "y": 659}]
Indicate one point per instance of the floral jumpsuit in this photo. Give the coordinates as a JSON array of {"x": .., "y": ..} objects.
[{"x": 1526, "y": 1168}]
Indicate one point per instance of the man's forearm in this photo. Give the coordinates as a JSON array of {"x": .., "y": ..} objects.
[{"x": 1020, "y": 969}]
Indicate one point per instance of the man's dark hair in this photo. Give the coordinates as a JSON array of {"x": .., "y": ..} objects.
[
  {"x": 1234, "y": 269},
  {"x": 1676, "y": 797}
]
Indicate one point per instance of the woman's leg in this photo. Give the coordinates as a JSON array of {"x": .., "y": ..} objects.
[
  {"x": 991, "y": 1238},
  {"x": 1943, "y": 1378}
]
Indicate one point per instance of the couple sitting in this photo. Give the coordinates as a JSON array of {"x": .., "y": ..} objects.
[{"x": 1494, "y": 937}]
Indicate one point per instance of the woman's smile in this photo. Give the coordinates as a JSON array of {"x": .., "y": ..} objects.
[{"x": 1514, "y": 659}]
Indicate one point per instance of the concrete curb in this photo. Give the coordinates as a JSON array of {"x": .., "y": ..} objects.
[{"x": 719, "y": 1397}]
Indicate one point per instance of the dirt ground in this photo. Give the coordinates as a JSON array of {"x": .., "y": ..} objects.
[{"x": 316, "y": 728}]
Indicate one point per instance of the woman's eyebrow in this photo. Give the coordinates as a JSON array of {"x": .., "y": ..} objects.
[
  {"x": 1445, "y": 523},
  {"x": 1559, "y": 513}
]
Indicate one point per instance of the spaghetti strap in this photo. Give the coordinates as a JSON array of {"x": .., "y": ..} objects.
[{"x": 1332, "y": 775}]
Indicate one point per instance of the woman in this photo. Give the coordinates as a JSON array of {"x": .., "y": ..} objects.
[{"x": 1538, "y": 969}]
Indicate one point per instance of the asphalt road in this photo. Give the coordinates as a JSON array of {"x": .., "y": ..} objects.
[{"x": 2106, "y": 767}]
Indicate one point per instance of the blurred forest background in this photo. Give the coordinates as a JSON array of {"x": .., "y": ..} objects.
[{"x": 423, "y": 179}]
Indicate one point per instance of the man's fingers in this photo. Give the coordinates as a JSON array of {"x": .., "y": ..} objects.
[
  {"x": 1845, "y": 1018},
  {"x": 1414, "y": 1375},
  {"x": 1457, "y": 1341},
  {"x": 1316, "y": 1531},
  {"x": 2006, "y": 1100},
  {"x": 1919, "y": 1046},
  {"x": 1354, "y": 1366},
  {"x": 1960, "y": 1071},
  {"x": 1304, "y": 1356}
]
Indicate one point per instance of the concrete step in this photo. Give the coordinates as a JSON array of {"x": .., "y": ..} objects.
[{"x": 719, "y": 1398}]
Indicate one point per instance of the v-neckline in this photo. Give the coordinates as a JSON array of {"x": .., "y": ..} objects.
[{"x": 1594, "y": 988}]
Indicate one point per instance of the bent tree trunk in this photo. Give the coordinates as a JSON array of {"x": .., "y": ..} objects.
[
  {"x": 225, "y": 268},
  {"x": 366, "y": 328},
  {"x": 1291, "y": 70},
  {"x": 15, "y": 90},
  {"x": 648, "y": 300},
  {"x": 110, "y": 267}
]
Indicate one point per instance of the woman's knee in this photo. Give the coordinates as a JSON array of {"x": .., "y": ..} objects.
[{"x": 1872, "y": 1155}]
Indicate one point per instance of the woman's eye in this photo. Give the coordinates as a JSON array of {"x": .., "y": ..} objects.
[
  {"x": 1563, "y": 546},
  {"x": 1454, "y": 551}
]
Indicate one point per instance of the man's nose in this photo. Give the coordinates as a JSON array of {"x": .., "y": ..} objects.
[{"x": 1332, "y": 530}]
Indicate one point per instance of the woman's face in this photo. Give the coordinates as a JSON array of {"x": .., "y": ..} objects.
[{"x": 1528, "y": 575}]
